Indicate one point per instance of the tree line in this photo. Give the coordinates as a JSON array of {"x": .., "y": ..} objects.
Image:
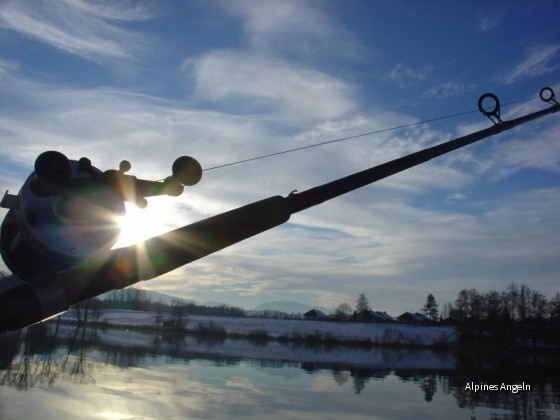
[
  {"x": 515, "y": 317},
  {"x": 516, "y": 303}
]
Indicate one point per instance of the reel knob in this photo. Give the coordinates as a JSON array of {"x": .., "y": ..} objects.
[
  {"x": 53, "y": 167},
  {"x": 124, "y": 166},
  {"x": 187, "y": 170},
  {"x": 52, "y": 171}
]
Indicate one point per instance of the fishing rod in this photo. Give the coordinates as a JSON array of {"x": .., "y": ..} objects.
[{"x": 58, "y": 232}]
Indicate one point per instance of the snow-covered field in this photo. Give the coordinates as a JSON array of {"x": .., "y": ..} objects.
[
  {"x": 192, "y": 346},
  {"x": 343, "y": 331}
]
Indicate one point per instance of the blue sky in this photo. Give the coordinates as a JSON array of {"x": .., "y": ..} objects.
[{"x": 229, "y": 80}]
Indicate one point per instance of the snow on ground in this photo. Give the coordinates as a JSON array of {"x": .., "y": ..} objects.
[
  {"x": 379, "y": 333},
  {"x": 118, "y": 343}
]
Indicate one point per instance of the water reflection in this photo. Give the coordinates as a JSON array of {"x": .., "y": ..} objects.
[
  {"x": 41, "y": 360},
  {"x": 54, "y": 355}
]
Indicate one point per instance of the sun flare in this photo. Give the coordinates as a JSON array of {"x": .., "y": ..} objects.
[{"x": 138, "y": 225}]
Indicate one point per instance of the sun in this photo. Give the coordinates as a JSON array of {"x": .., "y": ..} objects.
[{"x": 138, "y": 225}]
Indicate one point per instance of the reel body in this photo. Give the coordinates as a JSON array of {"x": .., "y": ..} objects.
[
  {"x": 51, "y": 227},
  {"x": 67, "y": 211}
]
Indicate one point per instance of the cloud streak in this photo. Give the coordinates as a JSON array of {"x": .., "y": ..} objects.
[
  {"x": 293, "y": 28},
  {"x": 538, "y": 61},
  {"x": 250, "y": 83},
  {"x": 405, "y": 76},
  {"x": 448, "y": 89},
  {"x": 89, "y": 30}
]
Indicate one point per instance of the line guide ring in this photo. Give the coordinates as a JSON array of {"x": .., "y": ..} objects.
[
  {"x": 493, "y": 112},
  {"x": 550, "y": 97}
]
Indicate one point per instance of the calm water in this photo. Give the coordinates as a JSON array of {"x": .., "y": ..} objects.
[{"x": 52, "y": 373}]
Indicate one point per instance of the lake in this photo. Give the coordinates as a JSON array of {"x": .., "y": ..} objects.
[{"x": 60, "y": 371}]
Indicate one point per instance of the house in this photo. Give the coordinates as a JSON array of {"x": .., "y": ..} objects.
[
  {"x": 374, "y": 316},
  {"x": 413, "y": 318},
  {"x": 315, "y": 315}
]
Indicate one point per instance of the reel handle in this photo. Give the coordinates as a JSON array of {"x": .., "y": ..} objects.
[{"x": 53, "y": 177}]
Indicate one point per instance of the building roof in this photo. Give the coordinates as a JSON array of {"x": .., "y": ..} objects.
[
  {"x": 315, "y": 313},
  {"x": 376, "y": 315},
  {"x": 415, "y": 317}
]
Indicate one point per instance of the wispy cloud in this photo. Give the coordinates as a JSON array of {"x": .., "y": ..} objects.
[
  {"x": 405, "y": 76},
  {"x": 293, "y": 26},
  {"x": 487, "y": 23},
  {"x": 538, "y": 61},
  {"x": 536, "y": 149},
  {"x": 90, "y": 30},
  {"x": 8, "y": 64},
  {"x": 246, "y": 82},
  {"x": 447, "y": 89},
  {"x": 454, "y": 197}
]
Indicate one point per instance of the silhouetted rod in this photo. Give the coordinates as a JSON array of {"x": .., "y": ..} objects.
[
  {"x": 317, "y": 195},
  {"x": 164, "y": 253}
]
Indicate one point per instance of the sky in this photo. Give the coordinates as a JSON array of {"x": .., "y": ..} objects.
[{"x": 223, "y": 81}]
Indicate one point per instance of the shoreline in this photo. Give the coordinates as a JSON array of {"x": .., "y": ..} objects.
[{"x": 327, "y": 334}]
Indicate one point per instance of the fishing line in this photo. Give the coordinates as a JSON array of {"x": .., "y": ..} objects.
[{"x": 369, "y": 133}]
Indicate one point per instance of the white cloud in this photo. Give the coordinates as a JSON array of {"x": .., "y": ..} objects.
[
  {"x": 293, "y": 26},
  {"x": 247, "y": 82},
  {"x": 406, "y": 76},
  {"x": 447, "y": 89},
  {"x": 8, "y": 64},
  {"x": 88, "y": 29},
  {"x": 539, "y": 150},
  {"x": 537, "y": 61},
  {"x": 488, "y": 22},
  {"x": 454, "y": 197},
  {"x": 533, "y": 147}
]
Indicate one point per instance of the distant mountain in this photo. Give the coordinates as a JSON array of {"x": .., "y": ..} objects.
[
  {"x": 166, "y": 299},
  {"x": 169, "y": 299},
  {"x": 213, "y": 304},
  {"x": 289, "y": 307}
]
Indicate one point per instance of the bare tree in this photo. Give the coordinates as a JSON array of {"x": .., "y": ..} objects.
[
  {"x": 96, "y": 309},
  {"x": 523, "y": 302},
  {"x": 343, "y": 311},
  {"x": 446, "y": 310},
  {"x": 462, "y": 305},
  {"x": 510, "y": 298},
  {"x": 178, "y": 313},
  {"x": 493, "y": 307},
  {"x": 159, "y": 315},
  {"x": 469, "y": 304},
  {"x": 554, "y": 306},
  {"x": 362, "y": 303},
  {"x": 539, "y": 305}
]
